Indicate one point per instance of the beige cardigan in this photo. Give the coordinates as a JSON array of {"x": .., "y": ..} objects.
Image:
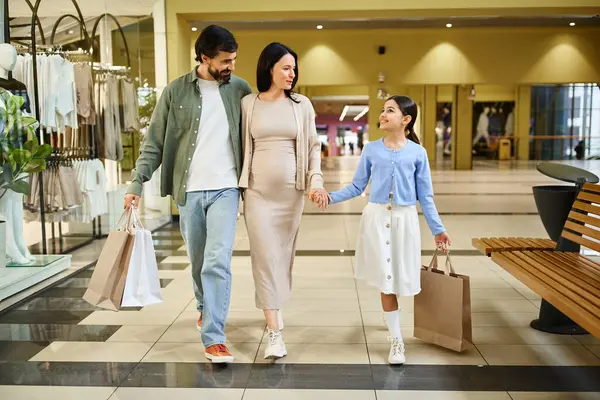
[{"x": 308, "y": 147}]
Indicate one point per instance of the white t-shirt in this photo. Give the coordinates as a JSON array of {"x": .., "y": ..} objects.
[{"x": 213, "y": 163}]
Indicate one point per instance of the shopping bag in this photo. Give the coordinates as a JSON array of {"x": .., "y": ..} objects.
[
  {"x": 142, "y": 285},
  {"x": 105, "y": 289},
  {"x": 443, "y": 307}
]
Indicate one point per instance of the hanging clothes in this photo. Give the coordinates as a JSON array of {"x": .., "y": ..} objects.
[{"x": 109, "y": 117}]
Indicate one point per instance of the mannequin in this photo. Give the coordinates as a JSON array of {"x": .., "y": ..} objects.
[
  {"x": 8, "y": 60},
  {"x": 482, "y": 127},
  {"x": 509, "y": 128},
  {"x": 11, "y": 204}
]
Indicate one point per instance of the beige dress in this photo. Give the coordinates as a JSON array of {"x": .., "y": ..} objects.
[{"x": 272, "y": 204}]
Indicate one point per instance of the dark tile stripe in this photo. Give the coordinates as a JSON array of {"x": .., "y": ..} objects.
[
  {"x": 303, "y": 376},
  {"x": 20, "y": 351},
  {"x": 58, "y": 332},
  {"x": 43, "y": 317},
  {"x": 64, "y": 374}
]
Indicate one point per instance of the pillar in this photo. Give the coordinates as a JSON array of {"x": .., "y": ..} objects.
[
  {"x": 160, "y": 45},
  {"x": 522, "y": 121},
  {"x": 462, "y": 134},
  {"x": 429, "y": 121},
  {"x": 3, "y": 20}
]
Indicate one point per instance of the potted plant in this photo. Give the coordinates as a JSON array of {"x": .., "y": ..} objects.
[{"x": 20, "y": 153}]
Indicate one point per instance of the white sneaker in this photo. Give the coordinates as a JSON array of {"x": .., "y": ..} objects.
[
  {"x": 280, "y": 319},
  {"x": 396, "y": 356},
  {"x": 275, "y": 345}
]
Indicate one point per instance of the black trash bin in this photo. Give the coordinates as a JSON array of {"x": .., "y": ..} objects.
[{"x": 554, "y": 203}]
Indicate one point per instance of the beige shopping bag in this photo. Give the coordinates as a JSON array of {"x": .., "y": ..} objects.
[
  {"x": 106, "y": 286},
  {"x": 443, "y": 308}
]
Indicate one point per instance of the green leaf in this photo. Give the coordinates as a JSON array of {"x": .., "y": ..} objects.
[
  {"x": 31, "y": 146},
  {"x": 7, "y": 173},
  {"x": 35, "y": 166},
  {"x": 26, "y": 121},
  {"x": 43, "y": 151},
  {"x": 12, "y": 163},
  {"x": 19, "y": 187},
  {"x": 21, "y": 156}
]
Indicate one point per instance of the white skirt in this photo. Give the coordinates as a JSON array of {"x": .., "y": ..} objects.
[{"x": 388, "y": 249}]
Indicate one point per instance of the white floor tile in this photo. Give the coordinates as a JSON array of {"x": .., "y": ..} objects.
[
  {"x": 440, "y": 395},
  {"x": 55, "y": 392},
  {"x": 194, "y": 352},
  {"x": 177, "y": 393},
  {"x": 307, "y": 394},
  {"x": 93, "y": 352},
  {"x": 576, "y": 355}
]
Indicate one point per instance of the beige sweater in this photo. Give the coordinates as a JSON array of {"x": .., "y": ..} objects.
[{"x": 308, "y": 147}]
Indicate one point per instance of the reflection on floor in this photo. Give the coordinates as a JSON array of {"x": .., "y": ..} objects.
[{"x": 56, "y": 346}]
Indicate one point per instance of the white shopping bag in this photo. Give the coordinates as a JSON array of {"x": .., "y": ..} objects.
[{"x": 142, "y": 285}]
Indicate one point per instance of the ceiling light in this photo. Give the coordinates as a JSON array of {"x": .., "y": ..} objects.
[
  {"x": 362, "y": 114},
  {"x": 344, "y": 112},
  {"x": 194, "y": 29},
  {"x": 572, "y": 24},
  {"x": 448, "y": 25},
  {"x": 70, "y": 31},
  {"x": 319, "y": 27}
]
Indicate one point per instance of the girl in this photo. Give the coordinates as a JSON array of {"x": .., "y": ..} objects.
[{"x": 388, "y": 250}]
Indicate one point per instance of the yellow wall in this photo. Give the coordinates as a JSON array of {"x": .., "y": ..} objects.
[
  {"x": 497, "y": 56},
  {"x": 384, "y": 7}
]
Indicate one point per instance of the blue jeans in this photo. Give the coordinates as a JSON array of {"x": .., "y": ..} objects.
[{"x": 208, "y": 222}]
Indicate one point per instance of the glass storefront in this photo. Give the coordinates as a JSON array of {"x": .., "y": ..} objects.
[
  {"x": 97, "y": 70},
  {"x": 565, "y": 122}
]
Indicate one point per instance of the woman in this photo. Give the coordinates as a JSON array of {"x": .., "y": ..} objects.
[
  {"x": 281, "y": 161},
  {"x": 388, "y": 250}
]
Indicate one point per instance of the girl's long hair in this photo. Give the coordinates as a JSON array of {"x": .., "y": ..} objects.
[{"x": 408, "y": 107}]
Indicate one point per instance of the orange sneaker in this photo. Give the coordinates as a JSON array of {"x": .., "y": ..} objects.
[
  {"x": 218, "y": 353},
  {"x": 199, "y": 323}
]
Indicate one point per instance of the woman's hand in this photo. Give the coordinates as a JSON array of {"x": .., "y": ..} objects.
[
  {"x": 321, "y": 197},
  {"x": 442, "y": 242}
]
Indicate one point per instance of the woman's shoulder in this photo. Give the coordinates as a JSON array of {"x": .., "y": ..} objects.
[
  {"x": 246, "y": 100},
  {"x": 302, "y": 100}
]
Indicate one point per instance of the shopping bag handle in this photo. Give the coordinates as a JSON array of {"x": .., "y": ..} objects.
[
  {"x": 433, "y": 265},
  {"x": 136, "y": 222},
  {"x": 131, "y": 223}
]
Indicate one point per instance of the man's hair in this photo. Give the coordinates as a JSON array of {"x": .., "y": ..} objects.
[{"x": 214, "y": 39}]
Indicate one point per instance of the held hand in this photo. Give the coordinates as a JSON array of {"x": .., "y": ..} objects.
[
  {"x": 131, "y": 199},
  {"x": 442, "y": 242},
  {"x": 321, "y": 197}
]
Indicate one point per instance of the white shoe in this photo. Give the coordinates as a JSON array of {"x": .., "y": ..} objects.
[
  {"x": 396, "y": 356},
  {"x": 280, "y": 319},
  {"x": 275, "y": 345}
]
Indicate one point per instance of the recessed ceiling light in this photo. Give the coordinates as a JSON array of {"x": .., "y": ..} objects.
[
  {"x": 319, "y": 27},
  {"x": 70, "y": 31},
  {"x": 194, "y": 29},
  {"x": 448, "y": 25},
  {"x": 572, "y": 24}
]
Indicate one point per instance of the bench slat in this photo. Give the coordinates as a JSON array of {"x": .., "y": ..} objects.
[
  {"x": 580, "y": 315},
  {"x": 591, "y": 187},
  {"x": 565, "y": 273},
  {"x": 582, "y": 264},
  {"x": 585, "y": 218},
  {"x": 584, "y": 230},
  {"x": 581, "y": 206},
  {"x": 592, "y": 198},
  {"x": 582, "y": 241}
]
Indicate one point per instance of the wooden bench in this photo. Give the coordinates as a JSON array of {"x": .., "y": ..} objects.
[{"x": 567, "y": 281}]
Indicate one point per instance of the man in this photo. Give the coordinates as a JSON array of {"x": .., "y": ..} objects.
[{"x": 195, "y": 135}]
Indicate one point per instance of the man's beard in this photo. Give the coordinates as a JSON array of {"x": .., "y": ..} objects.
[{"x": 223, "y": 76}]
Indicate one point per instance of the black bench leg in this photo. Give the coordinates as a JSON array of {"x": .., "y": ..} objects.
[{"x": 551, "y": 320}]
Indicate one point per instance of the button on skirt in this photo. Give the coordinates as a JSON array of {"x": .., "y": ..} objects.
[{"x": 388, "y": 249}]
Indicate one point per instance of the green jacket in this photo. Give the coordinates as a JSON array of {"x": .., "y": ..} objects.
[{"x": 172, "y": 134}]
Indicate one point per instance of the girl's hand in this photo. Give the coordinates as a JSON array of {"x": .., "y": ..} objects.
[
  {"x": 442, "y": 242},
  {"x": 321, "y": 197}
]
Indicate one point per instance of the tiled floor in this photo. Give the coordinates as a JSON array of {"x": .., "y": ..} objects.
[{"x": 56, "y": 346}]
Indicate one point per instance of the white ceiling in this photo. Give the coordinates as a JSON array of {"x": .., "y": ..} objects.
[{"x": 89, "y": 8}]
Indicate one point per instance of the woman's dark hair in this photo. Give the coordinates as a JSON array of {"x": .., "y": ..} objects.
[
  {"x": 267, "y": 60},
  {"x": 214, "y": 39},
  {"x": 408, "y": 107}
]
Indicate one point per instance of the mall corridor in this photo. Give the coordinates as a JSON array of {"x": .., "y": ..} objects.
[{"x": 57, "y": 346}]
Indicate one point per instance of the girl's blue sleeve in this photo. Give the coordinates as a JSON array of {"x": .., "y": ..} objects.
[
  {"x": 359, "y": 182},
  {"x": 425, "y": 195}
]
